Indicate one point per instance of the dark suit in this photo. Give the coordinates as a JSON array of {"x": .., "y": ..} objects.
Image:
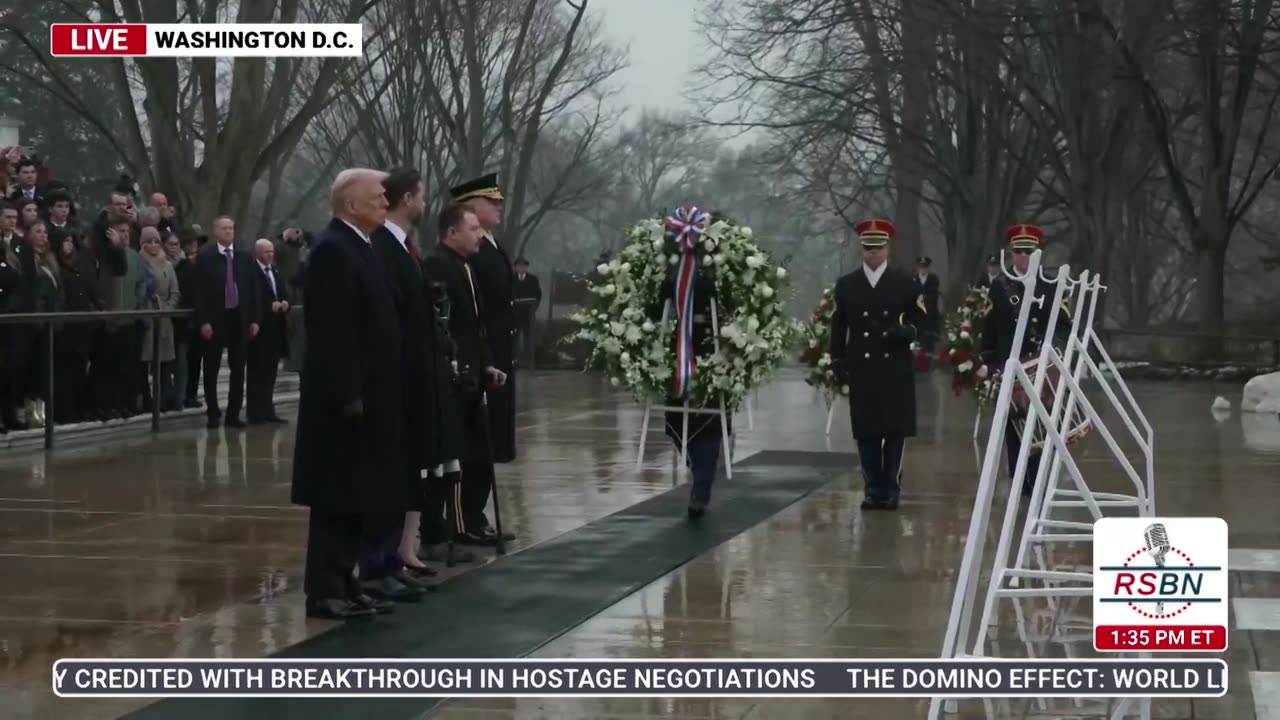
[
  {"x": 998, "y": 328},
  {"x": 872, "y": 329},
  {"x": 496, "y": 287},
  {"x": 186, "y": 332},
  {"x": 267, "y": 348},
  {"x": 349, "y": 465},
  {"x": 472, "y": 350},
  {"x": 230, "y": 325}
]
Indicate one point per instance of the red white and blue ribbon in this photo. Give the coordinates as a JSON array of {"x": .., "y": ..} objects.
[{"x": 685, "y": 228}]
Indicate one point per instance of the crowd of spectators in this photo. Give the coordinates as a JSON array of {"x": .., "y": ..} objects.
[{"x": 129, "y": 255}]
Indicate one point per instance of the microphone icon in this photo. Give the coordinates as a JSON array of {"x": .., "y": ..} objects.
[{"x": 1157, "y": 538}]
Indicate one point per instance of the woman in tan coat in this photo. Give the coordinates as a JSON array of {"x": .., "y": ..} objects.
[{"x": 161, "y": 283}]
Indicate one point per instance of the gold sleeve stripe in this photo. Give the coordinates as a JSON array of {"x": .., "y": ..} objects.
[{"x": 920, "y": 304}]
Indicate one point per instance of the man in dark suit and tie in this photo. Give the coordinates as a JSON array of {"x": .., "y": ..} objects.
[
  {"x": 495, "y": 283},
  {"x": 406, "y": 204},
  {"x": 271, "y": 344},
  {"x": 350, "y": 457},
  {"x": 528, "y": 296},
  {"x": 227, "y": 316}
]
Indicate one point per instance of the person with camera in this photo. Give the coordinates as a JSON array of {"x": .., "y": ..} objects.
[{"x": 460, "y": 235}]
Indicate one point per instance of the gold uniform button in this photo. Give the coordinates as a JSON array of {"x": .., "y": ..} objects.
[
  {"x": 866, "y": 334},
  {"x": 867, "y": 355}
]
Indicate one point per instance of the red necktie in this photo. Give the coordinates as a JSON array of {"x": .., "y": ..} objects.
[{"x": 413, "y": 250}]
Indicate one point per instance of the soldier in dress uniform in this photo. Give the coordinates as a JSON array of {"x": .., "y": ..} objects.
[
  {"x": 1001, "y": 322},
  {"x": 930, "y": 289},
  {"x": 992, "y": 272},
  {"x": 705, "y": 432},
  {"x": 877, "y": 312}
]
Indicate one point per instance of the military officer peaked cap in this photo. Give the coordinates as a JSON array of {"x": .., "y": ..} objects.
[
  {"x": 875, "y": 233},
  {"x": 1030, "y": 237},
  {"x": 485, "y": 186}
]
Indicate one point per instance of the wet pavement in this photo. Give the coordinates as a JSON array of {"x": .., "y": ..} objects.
[{"x": 186, "y": 546}]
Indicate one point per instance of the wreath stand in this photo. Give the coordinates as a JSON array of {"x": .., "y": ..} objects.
[
  {"x": 685, "y": 410},
  {"x": 831, "y": 410}
]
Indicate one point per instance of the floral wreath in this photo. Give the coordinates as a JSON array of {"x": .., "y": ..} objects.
[
  {"x": 815, "y": 337},
  {"x": 637, "y": 350},
  {"x": 964, "y": 339}
]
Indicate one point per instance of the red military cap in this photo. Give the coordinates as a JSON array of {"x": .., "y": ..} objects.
[
  {"x": 875, "y": 233},
  {"x": 1025, "y": 236}
]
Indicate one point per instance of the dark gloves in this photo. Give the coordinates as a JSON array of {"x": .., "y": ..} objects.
[
  {"x": 353, "y": 410},
  {"x": 841, "y": 370},
  {"x": 904, "y": 334}
]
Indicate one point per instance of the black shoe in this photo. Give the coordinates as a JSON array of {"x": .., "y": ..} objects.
[
  {"x": 437, "y": 553},
  {"x": 276, "y": 419},
  {"x": 418, "y": 573},
  {"x": 477, "y": 539},
  {"x": 489, "y": 531},
  {"x": 337, "y": 609},
  {"x": 389, "y": 588},
  {"x": 381, "y": 607},
  {"x": 890, "y": 504},
  {"x": 408, "y": 579},
  {"x": 871, "y": 504},
  {"x": 192, "y": 403},
  {"x": 213, "y": 422},
  {"x": 233, "y": 422},
  {"x": 697, "y": 510}
]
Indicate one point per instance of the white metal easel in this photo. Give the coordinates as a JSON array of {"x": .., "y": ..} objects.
[
  {"x": 961, "y": 639},
  {"x": 685, "y": 410}
]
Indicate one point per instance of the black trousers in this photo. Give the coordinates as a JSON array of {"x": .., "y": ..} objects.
[
  {"x": 195, "y": 353},
  {"x": 109, "y": 370},
  {"x": 1013, "y": 446},
  {"x": 232, "y": 341},
  {"x": 261, "y": 367},
  {"x": 8, "y": 383},
  {"x": 472, "y": 494},
  {"x": 881, "y": 459},
  {"x": 70, "y": 375},
  {"x": 333, "y": 548},
  {"x": 380, "y": 545},
  {"x": 443, "y": 504}
]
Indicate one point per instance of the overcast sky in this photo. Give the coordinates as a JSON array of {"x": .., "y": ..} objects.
[{"x": 665, "y": 47}]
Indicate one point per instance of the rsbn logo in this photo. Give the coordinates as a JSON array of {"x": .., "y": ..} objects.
[{"x": 1158, "y": 579}]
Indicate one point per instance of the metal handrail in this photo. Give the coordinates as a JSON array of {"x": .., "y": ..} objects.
[{"x": 51, "y": 321}]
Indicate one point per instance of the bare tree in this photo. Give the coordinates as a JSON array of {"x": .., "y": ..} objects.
[
  {"x": 1228, "y": 51},
  {"x": 206, "y": 130}
]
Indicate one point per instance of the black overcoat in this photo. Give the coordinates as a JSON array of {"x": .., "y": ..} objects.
[
  {"x": 872, "y": 329},
  {"x": 471, "y": 351},
  {"x": 495, "y": 282},
  {"x": 417, "y": 349},
  {"x": 344, "y": 464},
  {"x": 1002, "y": 320},
  {"x": 931, "y": 290}
]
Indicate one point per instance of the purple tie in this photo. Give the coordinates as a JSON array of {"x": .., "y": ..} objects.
[{"x": 230, "y": 293}]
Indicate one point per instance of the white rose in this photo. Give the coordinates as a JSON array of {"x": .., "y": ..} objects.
[
  {"x": 754, "y": 261},
  {"x": 753, "y": 324},
  {"x": 782, "y": 272},
  {"x": 617, "y": 328},
  {"x": 951, "y": 337},
  {"x": 764, "y": 290},
  {"x": 626, "y": 267},
  {"x": 674, "y": 259},
  {"x": 965, "y": 366},
  {"x": 634, "y": 334},
  {"x": 844, "y": 389},
  {"x": 710, "y": 244},
  {"x": 647, "y": 326},
  {"x": 603, "y": 268},
  {"x": 983, "y": 371},
  {"x": 964, "y": 335},
  {"x": 813, "y": 342},
  {"x": 657, "y": 244},
  {"x": 625, "y": 357},
  {"x": 746, "y": 232}
]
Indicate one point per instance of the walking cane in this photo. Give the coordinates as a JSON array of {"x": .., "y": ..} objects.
[
  {"x": 451, "y": 518},
  {"x": 499, "y": 545}
]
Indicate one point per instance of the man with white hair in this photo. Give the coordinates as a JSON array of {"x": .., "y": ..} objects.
[
  {"x": 350, "y": 449},
  {"x": 271, "y": 342}
]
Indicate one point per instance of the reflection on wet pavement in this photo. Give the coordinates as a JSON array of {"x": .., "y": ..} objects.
[{"x": 187, "y": 546}]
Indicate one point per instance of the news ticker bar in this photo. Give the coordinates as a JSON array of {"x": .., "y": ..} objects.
[
  {"x": 206, "y": 40},
  {"x": 333, "y": 678}
]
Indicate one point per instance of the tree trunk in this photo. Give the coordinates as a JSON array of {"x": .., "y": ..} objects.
[{"x": 1211, "y": 261}]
